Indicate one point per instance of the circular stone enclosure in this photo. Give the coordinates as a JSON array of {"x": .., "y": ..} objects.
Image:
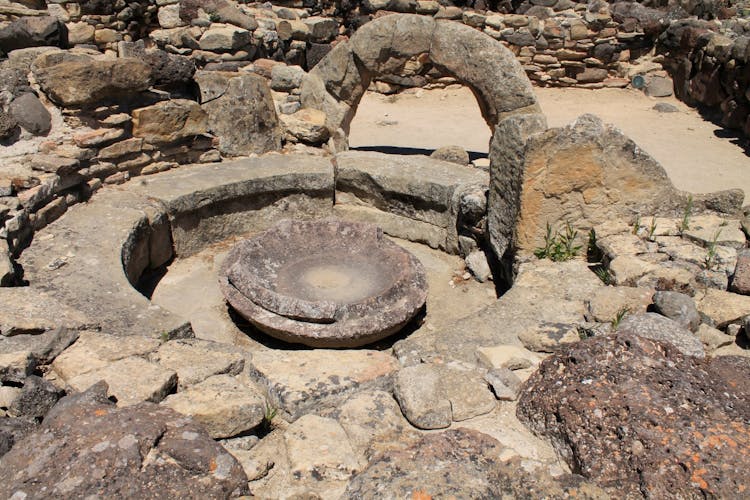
[{"x": 326, "y": 283}]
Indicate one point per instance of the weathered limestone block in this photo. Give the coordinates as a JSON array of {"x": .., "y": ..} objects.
[
  {"x": 507, "y": 157},
  {"x": 101, "y": 248},
  {"x": 244, "y": 117},
  {"x": 210, "y": 203},
  {"x": 131, "y": 380},
  {"x": 584, "y": 174},
  {"x": 432, "y": 396},
  {"x": 170, "y": 121},
  {"x": 91, "y": 81},
  {"x": 195, "y": 360},
  {"x": 224, "y": 405}
]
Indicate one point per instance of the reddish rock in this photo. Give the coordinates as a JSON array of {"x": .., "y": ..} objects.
[{"x": 636, "y": 415}]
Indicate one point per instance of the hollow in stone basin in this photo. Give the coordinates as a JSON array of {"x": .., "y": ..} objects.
[{"x": 324, "y": 283}]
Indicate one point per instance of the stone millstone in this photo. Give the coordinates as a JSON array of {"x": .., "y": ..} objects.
[{"x": 324, "y": 283}]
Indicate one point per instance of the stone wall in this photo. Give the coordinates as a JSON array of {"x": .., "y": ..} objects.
[{"x": 710, "y": 64}]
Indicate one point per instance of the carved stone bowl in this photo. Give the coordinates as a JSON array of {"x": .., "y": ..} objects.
[{"x": 325, "y": 283}]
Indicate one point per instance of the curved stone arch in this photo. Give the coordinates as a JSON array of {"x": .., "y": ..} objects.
[{"x": 380, "y": 47}]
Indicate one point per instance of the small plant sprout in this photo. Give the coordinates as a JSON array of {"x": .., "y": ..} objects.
[
  {"x": 619, "y": 317},
  {"x": 686, "y": 214},
  {"x": 637, "y": 225},
  {"x": 710, "y": 260},
  {"x": 592, "y": 249},
  {"x": 164, "y": 337},
  {"x": 266, "y": 425},
  {"x": 559, "y": 247},
  {"x": 549, "y": 238},
  {"x": 603, "y": 274},
  {"x": 652, "y": 229}
]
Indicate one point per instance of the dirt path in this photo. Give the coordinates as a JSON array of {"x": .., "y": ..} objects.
[{"x": 688, "y": 146}]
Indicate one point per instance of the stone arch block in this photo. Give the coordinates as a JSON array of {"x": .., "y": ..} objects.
[{"x": 336, "y": 85}]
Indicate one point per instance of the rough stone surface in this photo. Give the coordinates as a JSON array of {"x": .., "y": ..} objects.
[
  {"x": 30, "y": 113},
  {"x": 87, "y": 82},
  {"x": 634, "y": 414},
  {"x": 678, "y": 307},
  {"x": 741, "y": 278},
  {"x": 452, "y": 154},
  {"x": 507, "y": 166},
  {"x": 591, "y": 170},
  {"x": 722, "y": 307},
  {"x": 87, "y": 447},
  {"x": 544, "y": 291},
  {"x": 458, "y": 463},
  {"x": 432, "y": 396},
  {"x": 195, "y": 360},
  {"x": 27, "y": 310},
  {"x": 657, "y": 327},
  {"x": 88, "y": 259},
  {"x": 306, "y": 125},
  {"x": 35, "y": 399},
  {"x": 30, "y": 32},
  {"x": 13, "y": 430},
  {"x": 416, "y": 188},
  {"x": 244, "y": 117},
  {"x": 320, "y": 376},
  {"x": 224, "y": 405},
  {"x": 319, "y": 446},
  {"x": 611, "y": 301},
  {"x": 239, "y": 197},
  {"x": 549, "y": 337},
  {"x": 94, "y": 350},
  {"x": 131, "y": 380},
  {"x": 170, "y": 121}
]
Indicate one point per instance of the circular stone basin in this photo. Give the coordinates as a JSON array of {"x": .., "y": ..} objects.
[{"x": 324, "y": 283}]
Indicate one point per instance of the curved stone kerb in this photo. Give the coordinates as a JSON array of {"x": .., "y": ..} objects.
[{"x": 384, "y": 45}]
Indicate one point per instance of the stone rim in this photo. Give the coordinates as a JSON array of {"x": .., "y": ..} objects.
[{"x": 325, "y": 323}]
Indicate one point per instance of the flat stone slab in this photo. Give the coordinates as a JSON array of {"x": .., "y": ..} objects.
[
  {"x": 93, "y": 351},
  {"x": 324, "y": 283},
  {"x": 79, "y": 261},
  {"x": 28, "y": 310},
  {"x": 299, "y": 380},
  {"x": 416, "y": 187},
  {"x": 195, "y": 360},
  {"x": 224, "y": 405},
  {"x": 131, "y": 381}
]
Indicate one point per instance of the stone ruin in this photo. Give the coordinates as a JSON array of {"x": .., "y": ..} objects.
[{"x": 614, "y": 373}]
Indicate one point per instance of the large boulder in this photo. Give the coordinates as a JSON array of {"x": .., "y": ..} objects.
[
  {"x": 87, "y": 81},
  {"x": 243, "y": 117},
  {"x": 30, "y": 113},
  {"x": 586, "y": 173},
  {"x": 637, "y": 415},
  {"x": 30, "y": 32},
  {"x": 87, "y": 447}
]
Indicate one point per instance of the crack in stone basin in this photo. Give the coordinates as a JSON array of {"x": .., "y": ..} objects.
[{"x": 325, "y": 283}]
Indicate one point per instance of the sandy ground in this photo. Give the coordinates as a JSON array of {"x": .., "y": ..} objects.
[
  {"x": 694, "y": 152},
  {"x": 190, "y": 289}
]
